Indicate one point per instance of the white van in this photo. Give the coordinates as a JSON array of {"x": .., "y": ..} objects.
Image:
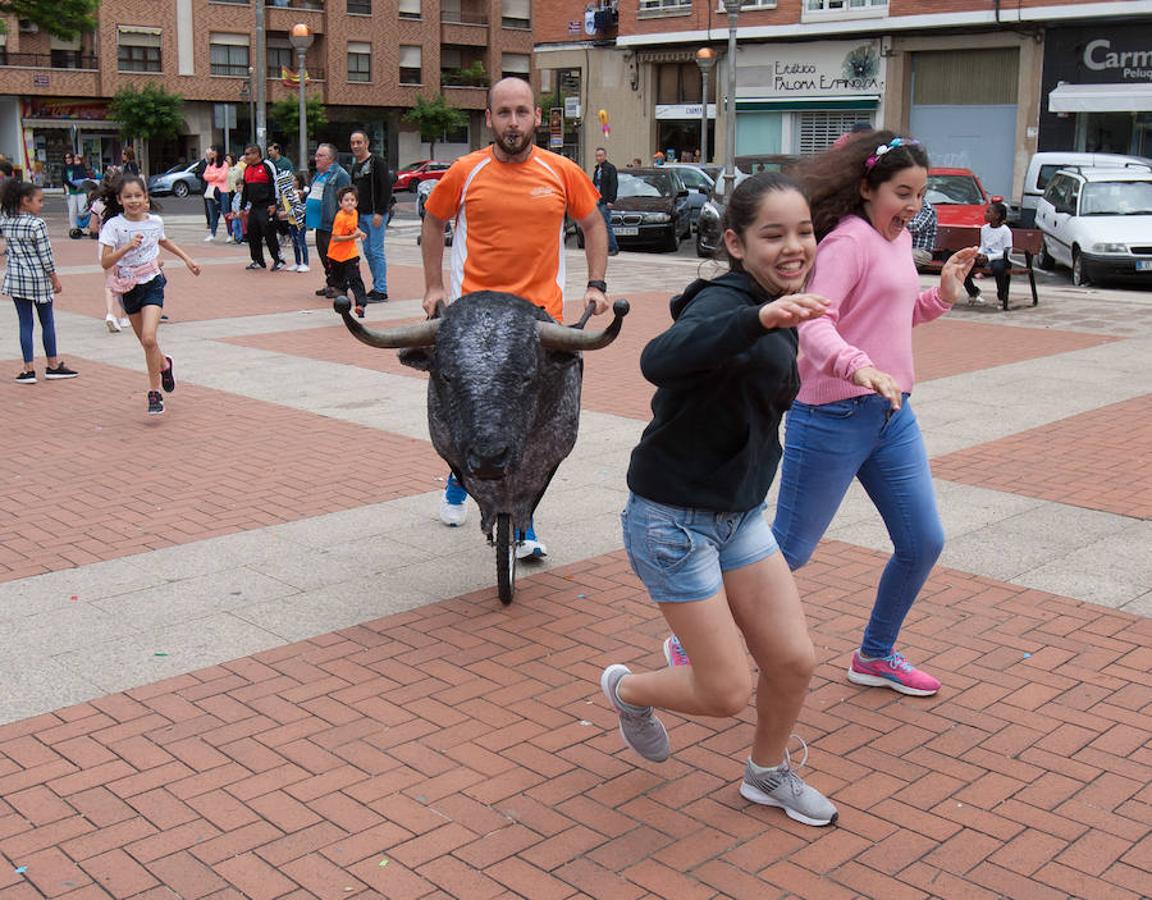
[{"x": 1044, "y": 165}]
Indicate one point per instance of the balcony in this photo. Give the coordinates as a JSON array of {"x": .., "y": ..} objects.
[
  {"x": 462, "y": 17},
  {"x": 70, "y": 60}
]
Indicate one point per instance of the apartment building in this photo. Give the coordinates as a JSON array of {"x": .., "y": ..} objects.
[
  {"x": 983, "y": 83},
  {"x": 368, "y": 63}
]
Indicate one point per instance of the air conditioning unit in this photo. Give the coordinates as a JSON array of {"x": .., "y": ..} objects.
[{"x": 27, "y": 26}]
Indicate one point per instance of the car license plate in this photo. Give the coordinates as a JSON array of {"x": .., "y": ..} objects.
[
  {"x": 625, "y": 231},
  {"x": 1142, "y": 265}
]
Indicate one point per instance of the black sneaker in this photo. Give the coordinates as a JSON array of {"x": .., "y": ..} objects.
[
  {"x": 322, "y": 292},
  {"x": 26, "y": 378},
  {"x": 377, "y": 297},
  {"x": 155, "y": 403},
  {"x": 61, "y": 371},
  {"x": 168, "y": 377},
  {"x": 255, "y": 265},
  {"x": 278, "y": 265}
]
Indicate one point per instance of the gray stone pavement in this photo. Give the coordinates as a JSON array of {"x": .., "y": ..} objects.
[{"x": 215, "y": 600}]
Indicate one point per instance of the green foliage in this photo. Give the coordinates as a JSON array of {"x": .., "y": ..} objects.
[
  {"x": 284, "y": 115},
  {"x": 474, "y": 75},
  {"x": 433, "y": 118},
  {"x": 63, "y": 18},
  {"x": 148, "y": 114}
]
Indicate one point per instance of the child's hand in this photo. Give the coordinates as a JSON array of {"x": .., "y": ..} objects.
[
  {"x": 362, "y": 235},
  {"x": 137, "y": 239},
  {"x": 792, "y": 309},
  {"x": 192, "y": 267},
  {"x": 57, "y": 287}
]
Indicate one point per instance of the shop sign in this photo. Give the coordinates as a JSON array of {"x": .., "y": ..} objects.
[
  {"x": 555, "y": 127},
  {"x": 691, "y": 111},
  {"x": 571, "y": 107},
  {"x": 51, "y": 108},
  {"x": 819, "y": 69},
  {"x": 1126, "y": 65},
  {"x": 40, "y": 79},
  {"x": 1098, "y": 56}
]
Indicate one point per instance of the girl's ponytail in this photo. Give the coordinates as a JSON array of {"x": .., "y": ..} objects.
[{"x": 13, "y": 195}]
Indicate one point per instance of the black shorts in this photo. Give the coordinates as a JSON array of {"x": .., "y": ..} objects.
[{"x": 150, "y": 293}]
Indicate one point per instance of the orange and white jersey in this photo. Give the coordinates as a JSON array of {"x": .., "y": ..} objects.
[{"x": 510, "y": 223}]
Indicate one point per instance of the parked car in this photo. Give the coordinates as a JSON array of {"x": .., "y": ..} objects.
[
  {"x": 959, "y": 197},
  {"x": 1098, "y": 222},
  {"x": 1044, "y": 165},
  {"x": 698, "y": 182},
  {"x": 651, "y": 208},
  {"x": 180, "y": 181},
  {"x": 412, "y": 174}
]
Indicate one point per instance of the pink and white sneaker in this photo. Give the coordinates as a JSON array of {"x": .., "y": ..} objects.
[
  {"x": 674, "y": 653},
  {"x": 892, "y": 671}
]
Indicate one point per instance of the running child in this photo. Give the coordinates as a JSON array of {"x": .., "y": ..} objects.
[
  {"x": 342, "y": 248},
  {"x": 30, "y": 277},
  {"x": 131, "y": 240},
  {"x": 694, "y": 524}
]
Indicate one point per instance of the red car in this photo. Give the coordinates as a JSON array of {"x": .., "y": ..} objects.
[
  {"x": 959, "y": 197},
  {"x": 426, "y": 170}
]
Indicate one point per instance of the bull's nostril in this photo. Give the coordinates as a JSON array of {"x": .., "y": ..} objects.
[{"x": 489, "y": 462}]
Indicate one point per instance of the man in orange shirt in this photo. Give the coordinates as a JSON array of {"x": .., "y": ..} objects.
[{"x": 508, "y": 201}]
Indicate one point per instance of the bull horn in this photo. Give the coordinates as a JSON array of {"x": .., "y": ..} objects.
[
  {"x": 560, "y": 337},
  {"x": 421, "y": 335}
]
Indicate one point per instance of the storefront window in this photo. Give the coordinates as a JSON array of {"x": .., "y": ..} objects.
[{"x": 678, "y": 83}]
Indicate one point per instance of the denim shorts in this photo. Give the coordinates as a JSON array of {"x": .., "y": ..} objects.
[
  {"x": 150, "y": 293},
  {"x": 681, "y": 554}
]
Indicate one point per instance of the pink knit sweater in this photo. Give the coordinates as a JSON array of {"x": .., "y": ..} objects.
[{"x": 875, "y": 302}]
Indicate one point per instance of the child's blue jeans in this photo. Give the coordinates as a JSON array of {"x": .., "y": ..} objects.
[
  {"x": 237, "y": 228},
  {"x": 47, "y": 327},
  {"x": 299, "y": 243},
  {"x": 828, "y": 445}
]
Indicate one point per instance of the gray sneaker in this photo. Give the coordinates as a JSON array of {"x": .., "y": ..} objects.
[
  {"x": 782, "y": 787},
  {"x": 641, "y": 730}
]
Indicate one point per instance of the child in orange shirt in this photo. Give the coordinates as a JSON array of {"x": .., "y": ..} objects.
[{"x": 342, "y": 248}]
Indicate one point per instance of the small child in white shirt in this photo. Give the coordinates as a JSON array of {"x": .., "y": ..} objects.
[{"x": 995, "y": 245}]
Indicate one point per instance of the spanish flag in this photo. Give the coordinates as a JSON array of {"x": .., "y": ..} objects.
[{"x": 291, "y": 78}]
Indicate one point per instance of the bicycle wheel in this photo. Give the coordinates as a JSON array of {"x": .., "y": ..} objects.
[{"x": 505, "y": 558}]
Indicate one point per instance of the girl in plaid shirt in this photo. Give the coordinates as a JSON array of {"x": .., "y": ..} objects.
[{"x": 30, "y": 276}]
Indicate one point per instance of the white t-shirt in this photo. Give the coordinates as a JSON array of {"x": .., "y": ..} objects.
[
  {"x": 119, "y": 231},
  {"x": 995, "y": 241}
]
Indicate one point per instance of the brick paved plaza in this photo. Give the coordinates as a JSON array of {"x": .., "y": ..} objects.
[{"x": 243, "y": 658}]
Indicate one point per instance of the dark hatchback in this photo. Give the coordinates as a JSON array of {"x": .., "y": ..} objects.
[{"x": 651, "y": 209}]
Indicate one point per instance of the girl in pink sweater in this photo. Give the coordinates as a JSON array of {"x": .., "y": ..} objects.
[{"x": 852, "y": 418}]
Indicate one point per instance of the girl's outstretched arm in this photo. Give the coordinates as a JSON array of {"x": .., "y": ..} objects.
[{"x": 176, "y": 251}]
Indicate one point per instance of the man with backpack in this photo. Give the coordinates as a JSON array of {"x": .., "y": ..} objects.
[{"x": 373, "y": 181}]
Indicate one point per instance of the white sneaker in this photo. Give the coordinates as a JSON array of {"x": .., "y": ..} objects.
[
  {"x": 111, "y": 323},
  {"x": 453, "y": 514},
  {"x": 530, "y": 549},
  {"x": 208, "y": 238},
  {"x": 125, "y": 322},
  {"x": 293, "y": 268},
  {"x": 303, "y": 268}
]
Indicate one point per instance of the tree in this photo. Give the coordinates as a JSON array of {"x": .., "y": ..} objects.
[
  {"x": 63, "y": 18},
  {"x": 147, "y": 115},
  {"x": 285, "y": 118},
  {"x": 434, "y": 118}
]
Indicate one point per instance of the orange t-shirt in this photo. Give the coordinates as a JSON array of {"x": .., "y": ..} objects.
[
  {"x": 344, "y": 223},
  {"x": 510, "y": 223}
]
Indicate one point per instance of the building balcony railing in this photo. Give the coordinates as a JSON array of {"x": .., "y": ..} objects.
[
  {"x": 455, "y": 17},
  {"x": 456, "y": 78},
  {"x": 296, "y": 4},
  {"x": 49, "y": 61}
]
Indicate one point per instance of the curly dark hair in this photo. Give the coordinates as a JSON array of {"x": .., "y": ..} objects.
[{"x": 832, "y": 179}]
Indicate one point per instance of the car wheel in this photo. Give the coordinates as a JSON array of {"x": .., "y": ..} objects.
[
  {"x": 700, "y": 250},
  {"x": 1044, "y": 259},
  {"x": 672, "y": 242},
  {"x": 180, "y": 189},
  {"x": 1079, "y": 270}
]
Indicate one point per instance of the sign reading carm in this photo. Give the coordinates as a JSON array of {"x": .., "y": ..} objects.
[
  {"x": 818, "y": 69},
  {"x": 1099, "y": 55}
]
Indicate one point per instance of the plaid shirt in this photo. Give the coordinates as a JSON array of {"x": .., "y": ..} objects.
[
  {"x": 923, "y": 228},
  {"x": 30, "y": 259}
]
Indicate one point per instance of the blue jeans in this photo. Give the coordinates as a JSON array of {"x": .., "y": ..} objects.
[
  {"x": 607, "y": 214},
  {"x": 374, "y": 252},
  {"x": 825, "y": 448},
  {"x": 47, "y": 327},
  {"x": 299, "y": 243},
  {"x": 212, "y": 212}
]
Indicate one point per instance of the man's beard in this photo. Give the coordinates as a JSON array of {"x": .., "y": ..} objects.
[{"x": 514, "y": 147}]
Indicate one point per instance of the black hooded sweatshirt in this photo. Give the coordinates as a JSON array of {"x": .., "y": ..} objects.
[{"x": 723, "y": 384}]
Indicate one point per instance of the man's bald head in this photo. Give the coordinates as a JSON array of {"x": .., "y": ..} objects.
[{"x": 511, "y": 91}]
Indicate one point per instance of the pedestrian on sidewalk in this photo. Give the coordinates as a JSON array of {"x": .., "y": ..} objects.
[
  {"x": 694, "y": 526},
  {"x": 30, "y": 276},
  {"x": 291, "y": 212},
  {"x": 131, "y": 240},
  {"x": 115, "y": 319},
  {"x": 605, "y": 178},
  {"x": 852, "y": 418},
  {"x": 232, "y": 218},
  {"x": 342, "y": 248},
  {"x": 215, "y": 189},
  {"x": 260, "y": 197},
  {"x": 76, "y": 194},
  {"x": 373, "y": 183},
  {"x": 320, "y": 209}
]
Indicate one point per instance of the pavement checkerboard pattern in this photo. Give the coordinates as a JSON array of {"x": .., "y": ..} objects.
[{"x": 245, "y": 660}]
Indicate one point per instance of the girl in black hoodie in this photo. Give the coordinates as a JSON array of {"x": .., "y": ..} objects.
[{"x": 694, "y": 525}]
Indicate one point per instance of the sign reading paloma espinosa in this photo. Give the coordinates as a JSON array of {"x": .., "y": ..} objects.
[{"x": 821, "y": 68}]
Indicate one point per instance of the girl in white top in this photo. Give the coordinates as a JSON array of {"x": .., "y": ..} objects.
[
  {"x": 995, "y": 245},
  {"x": 130, "y": 242}
]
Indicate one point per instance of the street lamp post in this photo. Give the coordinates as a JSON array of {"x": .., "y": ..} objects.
[
  {"x": 301, "y": 38},
  {"x": 705, "y": 59},
  {"x": 732, "y": 8},
  {"x": 261, "y": 83},
  {"x": 247, "y": 93}
]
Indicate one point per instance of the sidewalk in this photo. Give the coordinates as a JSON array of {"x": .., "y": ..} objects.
[{"x": 244, "y": 657}]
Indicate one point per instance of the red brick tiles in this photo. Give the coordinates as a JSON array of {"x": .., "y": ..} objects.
[
  {"x": 464, "y": 750},
  {"x": 1097, "y": 460},
  {"x": 99, "y": 478}
]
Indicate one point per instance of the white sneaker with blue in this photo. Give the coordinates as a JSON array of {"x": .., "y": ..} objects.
[
  {"x": 454, "y": 503},
  {"x": 527, "y": 545}
]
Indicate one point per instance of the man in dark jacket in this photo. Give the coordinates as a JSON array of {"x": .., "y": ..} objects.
[
  {"x": 604, "y": 177},
  {"x": 373, "y": 184},
  {"x": 259, "y": 197}
]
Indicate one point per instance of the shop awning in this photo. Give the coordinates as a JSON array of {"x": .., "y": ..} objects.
[
  {"x": 1076, "y": 98},
  {"x": 787, "y": 104}
]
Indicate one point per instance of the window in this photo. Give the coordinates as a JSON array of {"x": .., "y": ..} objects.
[
  {"x": 359, "y": 61},
  {"x": 516, "y": 13},
  {"x": 516, "y": 65},
  {"x": 664, "y": 7},
  {"x": 65, "y": 53},
  {"x": 678, "y": 83},
  {"x": 360, "y": 7},
  {"x": 411, "y": 65},
  {"x": 841, "y": 5},
  {"x": 410, "y": 9},
  {"x": 817, "y": 130},
  {"x": 138, "y": 49},
  {"x": 229, "y": 54},
  {"x": 279, "y": 55}
]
